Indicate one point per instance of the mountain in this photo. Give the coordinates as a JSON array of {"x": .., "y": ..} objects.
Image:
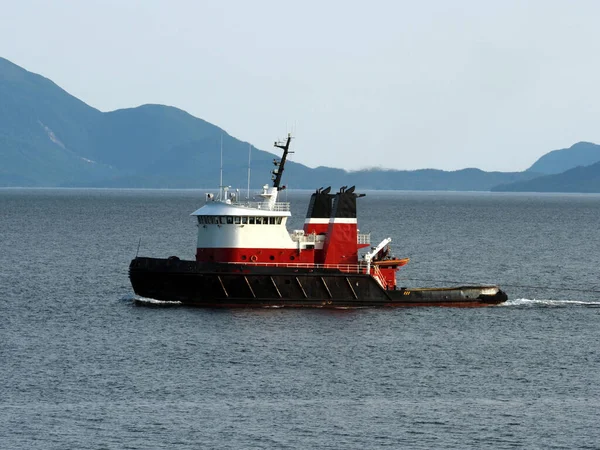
[
  {"x": 558, "y": 161},
  {"x": 432, "y": 180},
  {"x": 579, "y": 179},
  {"x": 42, "y": 131},
  {"x": 50, "y": 138},
  {"x": 573, "y": 169}
]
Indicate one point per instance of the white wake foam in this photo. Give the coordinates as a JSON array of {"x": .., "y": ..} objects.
[
  {"x": 544, "y": 302},
  {"x": 138, "y": 300}
]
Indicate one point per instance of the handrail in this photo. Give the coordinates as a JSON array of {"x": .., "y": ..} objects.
[
  {"x": 277, "y": 206},
  {"x": 312, "y": 237},
  {"x": 351, "y": 268},
  {"x": 379, "y": 276},
  {"x": 360, "y": 268},
  {"x": 364, "y": 238}
]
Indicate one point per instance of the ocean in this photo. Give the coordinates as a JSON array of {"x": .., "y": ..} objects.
[{"x": 83, "y": 366}]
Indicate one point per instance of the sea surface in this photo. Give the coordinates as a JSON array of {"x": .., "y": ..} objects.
[{"x": 82, "y": 366}]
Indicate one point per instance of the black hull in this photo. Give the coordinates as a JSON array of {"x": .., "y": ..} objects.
[{"x": 229, "y": 286}]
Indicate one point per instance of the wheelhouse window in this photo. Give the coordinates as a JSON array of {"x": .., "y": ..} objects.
[{"x": 237, "y": 220}]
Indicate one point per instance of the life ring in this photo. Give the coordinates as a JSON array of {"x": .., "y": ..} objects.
[{"x": 253, "y": 258}]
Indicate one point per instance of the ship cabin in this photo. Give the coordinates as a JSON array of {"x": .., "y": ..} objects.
[
  {"x": 233, "y": 231},
  {"x": 255, "y": 232}
]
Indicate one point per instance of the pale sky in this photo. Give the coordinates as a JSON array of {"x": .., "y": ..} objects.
[{"x": 378, "y": 83}]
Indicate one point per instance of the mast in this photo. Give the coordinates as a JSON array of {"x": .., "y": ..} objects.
[
  {"x": 221, "y": 171},
  {"x": 280, "y": 164},
  {"x": 249, "y": 153}
]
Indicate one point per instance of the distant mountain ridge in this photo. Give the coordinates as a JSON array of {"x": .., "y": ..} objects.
[
  {"x": 558, "y": 161},
  {"x": 584, "y": 179},
  {"x": 50, "y": 138},
  {"x": 573, "y": 169}
]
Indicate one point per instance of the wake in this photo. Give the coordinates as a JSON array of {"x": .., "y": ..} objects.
[
  {"x": 550, "y": 303},
  {"x": 146, "y": 301}
]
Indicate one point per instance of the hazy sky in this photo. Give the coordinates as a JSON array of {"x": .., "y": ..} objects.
[{"x": 394, "y": 84}]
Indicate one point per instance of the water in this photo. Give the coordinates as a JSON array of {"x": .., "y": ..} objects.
[{"x": 83, "y": 367}]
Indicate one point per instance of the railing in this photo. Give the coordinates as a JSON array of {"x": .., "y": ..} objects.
[
  {"x": 360, "y": 268},
  {"x": 311, "y": 238},
  {"x": 277, "y": 206},
  {"x": 364, "y": 238},
  {"x": 379, "y": 276},
  {"x": 349, "y": 268}
]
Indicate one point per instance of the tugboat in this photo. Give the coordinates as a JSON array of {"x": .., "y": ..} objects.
[{"x": 245, "y": 257}]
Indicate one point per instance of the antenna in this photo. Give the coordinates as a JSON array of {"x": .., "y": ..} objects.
[
  {"x": 221, "y": 176},
  {"x": 249, "y": 153},
  {"x": 138, "y": 249},
  {"x": 279, "y": 165}
]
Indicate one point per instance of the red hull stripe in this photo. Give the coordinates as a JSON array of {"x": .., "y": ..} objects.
[{"x": 259, "y": 255}]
